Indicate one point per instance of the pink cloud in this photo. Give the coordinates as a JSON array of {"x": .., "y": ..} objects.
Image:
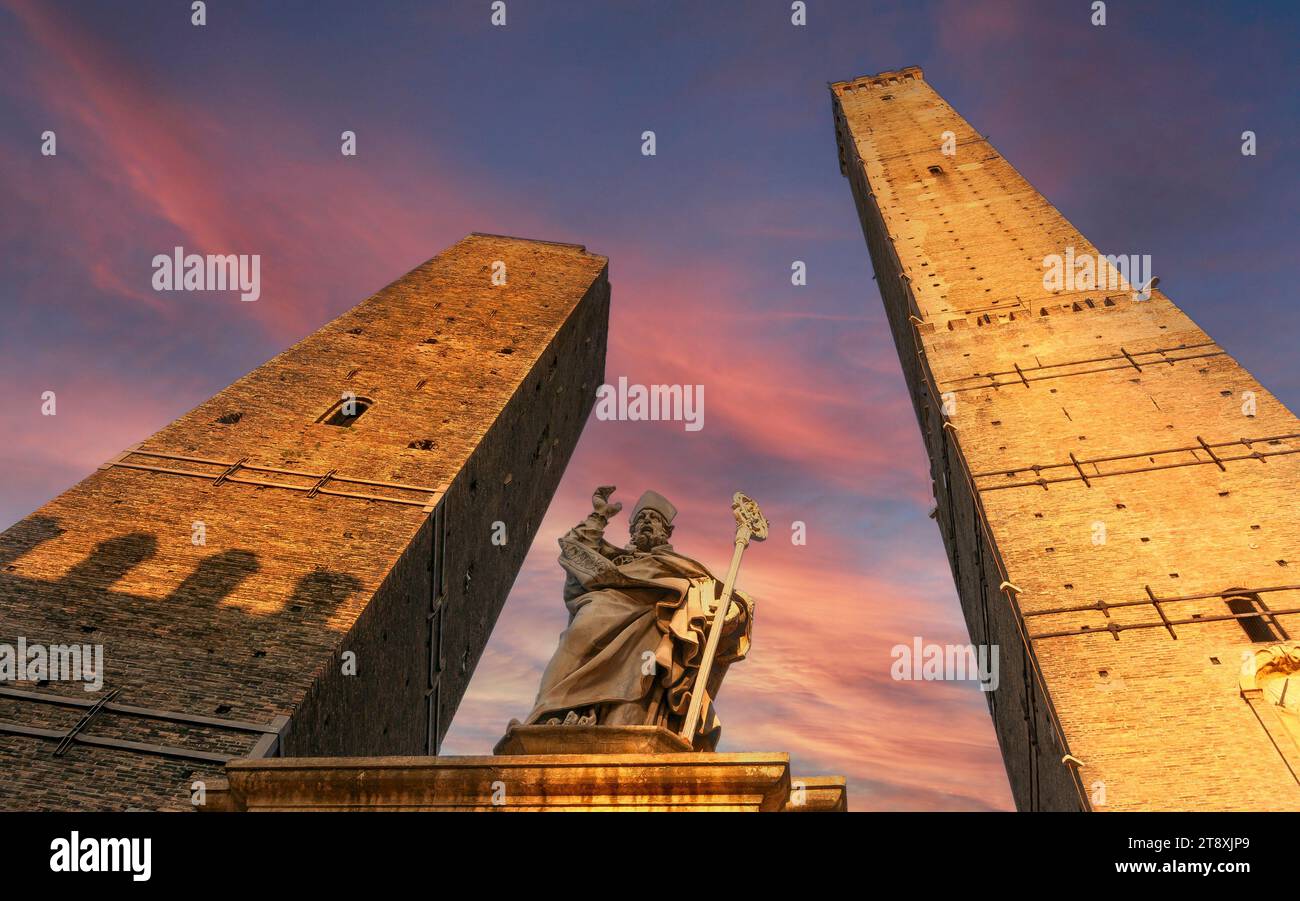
[{"x": 158, "y": 166}]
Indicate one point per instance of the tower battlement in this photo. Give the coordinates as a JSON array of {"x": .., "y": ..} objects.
[{"x": 879, "y": 80}]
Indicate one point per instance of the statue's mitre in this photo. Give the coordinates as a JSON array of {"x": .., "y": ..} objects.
[{"x": 653, "y": 500}]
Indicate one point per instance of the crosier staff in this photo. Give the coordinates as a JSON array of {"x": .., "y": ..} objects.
[{"x": 750, "y": 526}]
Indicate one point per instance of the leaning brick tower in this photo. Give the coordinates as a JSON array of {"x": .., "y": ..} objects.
[
  {"x": 304, "y": 564},
  {"x": 1116, "y": 494}
]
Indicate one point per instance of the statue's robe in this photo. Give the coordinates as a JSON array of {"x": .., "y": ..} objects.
[{"x": 626, "y": 608}]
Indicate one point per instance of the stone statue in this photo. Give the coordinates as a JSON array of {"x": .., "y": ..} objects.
[{"x": 639, "y": 620}]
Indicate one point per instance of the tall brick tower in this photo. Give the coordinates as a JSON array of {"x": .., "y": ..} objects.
[
  {"x": 1116, "y": 494},
  {"x": 240, "y": 565}
]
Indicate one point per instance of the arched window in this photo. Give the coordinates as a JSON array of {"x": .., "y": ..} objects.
[
  {"x": 347, "y": 411},
  {"x": 1259, "y": 624}
]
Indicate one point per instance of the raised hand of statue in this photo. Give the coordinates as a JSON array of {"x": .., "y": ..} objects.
[{"x": 600, "y": 502}]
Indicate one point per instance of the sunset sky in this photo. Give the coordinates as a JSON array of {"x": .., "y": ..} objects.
[{"x": 225, "y": 139}]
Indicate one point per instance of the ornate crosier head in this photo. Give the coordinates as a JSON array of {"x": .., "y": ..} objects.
[{"x": 749, "y": 518}]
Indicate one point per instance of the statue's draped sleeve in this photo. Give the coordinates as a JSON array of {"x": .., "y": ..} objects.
[{"x": 587, "y": 558}]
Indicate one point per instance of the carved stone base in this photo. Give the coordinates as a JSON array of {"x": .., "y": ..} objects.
[
  {"x": 533, "y": 782},
  {"x": 520, "y": 739}
]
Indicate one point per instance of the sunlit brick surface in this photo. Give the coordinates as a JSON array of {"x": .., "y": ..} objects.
[
  {"x": 477, "y": 388},
  {"x": 1076, "y": 412}
]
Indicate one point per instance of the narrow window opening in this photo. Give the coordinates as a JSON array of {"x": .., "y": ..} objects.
[
  {"x": 1256, "y": 627},
  {"x": 346, "y": 411}
]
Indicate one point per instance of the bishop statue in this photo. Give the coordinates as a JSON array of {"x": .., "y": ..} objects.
[{"x": 640, "y": 624}]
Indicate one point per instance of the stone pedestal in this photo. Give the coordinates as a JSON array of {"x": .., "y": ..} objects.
[{"x": 636, "y": 768}]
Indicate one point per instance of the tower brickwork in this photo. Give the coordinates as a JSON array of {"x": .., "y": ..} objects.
[
  {"x": 1116, "y": 494},
  {"x": 276, "y": 573}
]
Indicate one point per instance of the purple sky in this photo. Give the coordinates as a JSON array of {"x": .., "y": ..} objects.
[{"x": 225, "y": 139}]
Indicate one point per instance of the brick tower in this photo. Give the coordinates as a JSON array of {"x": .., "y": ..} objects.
[
  {"x": 1117, "y": 496},
  {"x": 346, "y": 495}
]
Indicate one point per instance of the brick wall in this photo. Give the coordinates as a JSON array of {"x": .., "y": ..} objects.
[
  {"x": 478, "y": 391},
  {"x": 1076, "y": 414}
]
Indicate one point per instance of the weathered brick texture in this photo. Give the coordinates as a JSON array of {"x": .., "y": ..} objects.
[
  {"x": 1079, "y": 415},
  {"x": 478, "y": 395}
]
